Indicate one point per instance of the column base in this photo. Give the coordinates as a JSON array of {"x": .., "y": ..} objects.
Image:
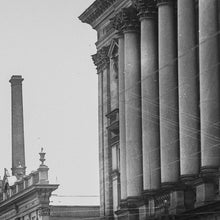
[
  {"x": 129, "y": 208},
  {"x": 149, "y": 199},
  {"x": 188, "y": 179},
  {"x": 125, "y": 214},
  {"x": 207, "y": 186},
  {"x": 205, "y": 193},
  {"x": 173, "y": 198},
  {"x": 108, "y": 218},
  {"x": 181, "y": 200}
]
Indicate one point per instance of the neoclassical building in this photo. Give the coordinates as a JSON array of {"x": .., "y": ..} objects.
[
  {"x": 159, "y": 107},
  {"x": 27, "y": 196}
]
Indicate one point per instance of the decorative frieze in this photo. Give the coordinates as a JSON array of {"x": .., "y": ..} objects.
[
  {"x": 101, "y": 58},
  {"x": 44, "y": 211},
  {"x": 44, "y": 195}
]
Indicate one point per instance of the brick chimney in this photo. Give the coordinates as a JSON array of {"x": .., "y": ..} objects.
[{"x": 18, "y": 152}]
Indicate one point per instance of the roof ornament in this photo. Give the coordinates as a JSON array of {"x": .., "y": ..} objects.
[{"x": 42, "y": 156}]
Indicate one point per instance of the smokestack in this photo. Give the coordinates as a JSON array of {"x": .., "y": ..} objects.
[{"x": 18, "y": 154}]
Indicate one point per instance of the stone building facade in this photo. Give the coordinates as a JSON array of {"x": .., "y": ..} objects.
[
  {"x": 159, "y": 107},
  {"x": 27, "y": 197}
]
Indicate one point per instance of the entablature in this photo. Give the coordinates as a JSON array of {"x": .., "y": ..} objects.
[{"x": 99, "y": 18}]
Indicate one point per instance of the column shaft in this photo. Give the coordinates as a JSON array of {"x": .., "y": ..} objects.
[
  {"x": 122, "y": 118},
  {"x": 107, "y": 148},
  {"x": 101, "y": 150},
  {"x": 133, "y": 114},
  {"x": 209, "y": 83},
  {"x": 150, "y": 103},
  {"x": 188, "y": 88},
  {"x": 169, "y": 134}
]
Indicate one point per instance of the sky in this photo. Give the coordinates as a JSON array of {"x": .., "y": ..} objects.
[{"x": 45, "y": 42}]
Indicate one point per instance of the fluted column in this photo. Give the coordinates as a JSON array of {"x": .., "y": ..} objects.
[
  {"x": 133, "y": 104},
  {"x": 169, "y": 137},
  {"x": 189, "y": 121},
  {"x": 209, "y": 83},
  {"x": 150, "y": 94}
]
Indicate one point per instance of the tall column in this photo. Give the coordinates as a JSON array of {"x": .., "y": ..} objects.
[
  {"x": 18, "y": 152},
  {"x": 101, "y": 150},
  {"x": 150, "y": 95},
  {"x": 107, "y": 148},
  {"x": 189, "y": 121},
  {"x": 101, "y": 60},
  {"x": 118, "y": 24},
  {"x": 122, "y": 119},
  {"x": 209, "y": 84},
  {"x": 133, "y": 104},
  {"x": 169, "y": 134}
]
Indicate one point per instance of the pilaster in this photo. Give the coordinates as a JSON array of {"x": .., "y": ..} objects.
[
  {"x": 102, "y": 60},
  {"x": 117, "y": 23}
]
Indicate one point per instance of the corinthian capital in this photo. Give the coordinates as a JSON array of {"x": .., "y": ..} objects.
[
  {"x": 130, "y": 19},
  {"x": 126, "y": 20},
  {"x": 101, "y": 58},
  {"x": 117, "y": 22},
  {"x": 145, "y": 8}
]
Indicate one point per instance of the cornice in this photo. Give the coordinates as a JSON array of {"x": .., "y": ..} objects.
[
  {"x": 26, "y": 193},
  {"x": 95, "y": 10}
]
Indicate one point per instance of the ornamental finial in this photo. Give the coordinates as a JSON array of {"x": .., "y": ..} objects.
[{"x": 42, "y": 156}]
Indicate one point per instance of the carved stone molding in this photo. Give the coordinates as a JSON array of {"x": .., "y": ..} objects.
[
  {"x": 160, "y": 2},
  {"x": 126, "y": 20},
  {"x": 96, "y": 10},
  {"x": 130, "y": 19},
  {"x": 101, "y": 58},
  {"x": 44, "y": 211},
  {"x": 117, "y": 22},
  {"x": 44, "y": 196},
  {"x": 145, "y": 8}
]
